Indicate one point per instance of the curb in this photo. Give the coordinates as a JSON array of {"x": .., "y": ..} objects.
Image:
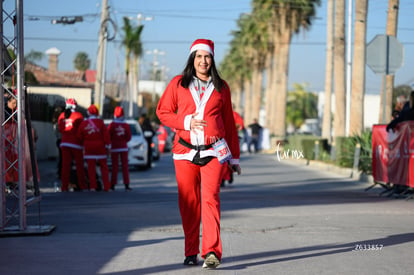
[{"x": 349, "y": 172}]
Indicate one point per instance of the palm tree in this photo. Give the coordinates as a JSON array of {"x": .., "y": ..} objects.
[
  {"x": 245, "y": 50},
  {"x": 327, "y": 114},
  {"x": 233, "y": 71},
  {"x": 392, "y": 21},
  {"x": 356, "y": 125},
  {"x": 133, "y": 47},
  {"x": 255, "y": 35},
  {"x": 292, "y": 16},
  {"x": 81, "y": 61},
  {"x": 339, "y": 68},
  {"x": 279, "y": 20},
  {"x": 284, "y": 18}
]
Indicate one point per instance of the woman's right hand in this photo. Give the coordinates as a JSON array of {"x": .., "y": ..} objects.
[{"x": 197, "y": 124}]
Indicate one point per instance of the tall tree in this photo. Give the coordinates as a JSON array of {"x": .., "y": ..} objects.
[
  {"x": 291, "y": 17},
  {"x": 327, "y": 112},
  {"x": 339, "y": 69},
  {"x": 279, "y": 19},
  {"x": 392, "y": 25},
  {"x": 234, "y": 71},
  {"x": 133, "y": 50},
  {"x": 82, "y": 61},
  {"x": 356, "y": 125},
  {"x": 246, "y": 50}
]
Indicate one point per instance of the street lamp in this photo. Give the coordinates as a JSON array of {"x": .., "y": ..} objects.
[{"x": 155, "y": 53}]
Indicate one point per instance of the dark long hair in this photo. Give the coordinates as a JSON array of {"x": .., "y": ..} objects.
[
  {"x": 68, "y": 112},
  {"x": 189, "y": 72}
]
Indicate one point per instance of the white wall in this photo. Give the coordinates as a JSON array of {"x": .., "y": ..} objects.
[{"x": 371, "y": 108}]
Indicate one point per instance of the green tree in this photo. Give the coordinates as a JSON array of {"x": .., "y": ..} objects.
[
  {"x": 262, "y": 43},
  {"x": 34, "y": 56},
  {"x": 82, "y": 61},
  {"x": 283, "y": 19},
  {"x": 301, "y": 105}
]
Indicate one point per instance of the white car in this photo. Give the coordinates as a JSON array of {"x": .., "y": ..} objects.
[{"x": 137, "y": 146}]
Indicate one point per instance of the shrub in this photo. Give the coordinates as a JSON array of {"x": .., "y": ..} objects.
[{"x": 345, "y": 151}]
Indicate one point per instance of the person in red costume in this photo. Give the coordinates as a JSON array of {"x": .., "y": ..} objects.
[
  {"x": 96, "y": 141},
  {"x": 162, "y": 137},
  {"x": 198, "y": 105},
  {"x": 120, "y": 134},
  {"x": 71, "y": 146}
]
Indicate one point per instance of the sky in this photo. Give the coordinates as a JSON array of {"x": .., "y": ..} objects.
[{"x": 176, "y": 24}]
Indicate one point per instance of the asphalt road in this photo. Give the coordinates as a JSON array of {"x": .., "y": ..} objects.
[{"x": 278, "y": 217}]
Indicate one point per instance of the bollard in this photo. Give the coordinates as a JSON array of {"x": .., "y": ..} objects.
[
  {"x": 333, "y": 152},
  {"x": 357, "y": 155},
  {"x": 316, "y": 149}
]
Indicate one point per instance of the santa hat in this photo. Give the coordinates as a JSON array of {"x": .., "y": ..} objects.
[
  {"x": 93, "y": 110},
  {"x": 71, "y": 103},
  {"x": 203, "y": 44},
  {"x": 118, "y": 112}
]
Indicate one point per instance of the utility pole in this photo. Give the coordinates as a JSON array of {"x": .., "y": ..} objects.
[
  {"x": 348, "y": 69},
  {"x": 100, "y": 61}
]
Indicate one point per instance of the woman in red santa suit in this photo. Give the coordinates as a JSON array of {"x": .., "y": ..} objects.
[
  {"x": 120, "y": 134},
  {"x": 96, "y": 141},
  {"x": 198, "y": 105},
  {"x": 71, "y": 146}
]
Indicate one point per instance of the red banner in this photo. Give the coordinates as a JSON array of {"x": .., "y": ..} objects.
[{"x": 393, "y": 154}]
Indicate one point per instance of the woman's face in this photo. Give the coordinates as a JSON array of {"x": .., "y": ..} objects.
[
  {"x": 202, "y": 64},
  {"x": 12, "y": 103}
]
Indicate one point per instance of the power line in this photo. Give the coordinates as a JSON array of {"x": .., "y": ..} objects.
[{"x": 89, "y": 40}]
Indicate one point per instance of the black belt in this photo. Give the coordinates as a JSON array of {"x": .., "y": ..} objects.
[{"x": 194, "y": 147}]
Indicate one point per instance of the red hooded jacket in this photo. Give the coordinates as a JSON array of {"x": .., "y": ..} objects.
[
  {"x": 68, "y": 127},
  {"x": 95, "y": 138},
  {"x": 120, "y": 134}
]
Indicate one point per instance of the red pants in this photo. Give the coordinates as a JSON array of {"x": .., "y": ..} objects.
[
  {"x": 69, "y": 154},
  {"x": 92, "y": 173},
  {"x": 115, "y": 167},
  {"x": 198, "y": 199}
]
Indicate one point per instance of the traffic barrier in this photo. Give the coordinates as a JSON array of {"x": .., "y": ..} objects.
[{"x": 393, "y": 155}]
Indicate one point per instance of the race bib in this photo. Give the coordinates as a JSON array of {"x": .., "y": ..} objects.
[{"x": 222, "y": 150}]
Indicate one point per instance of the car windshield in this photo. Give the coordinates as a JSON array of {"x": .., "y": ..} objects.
[{"x": 134, "y": 130}]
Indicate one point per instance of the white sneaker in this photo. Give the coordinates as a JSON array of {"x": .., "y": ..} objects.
[{"x": 211, "y": 261}]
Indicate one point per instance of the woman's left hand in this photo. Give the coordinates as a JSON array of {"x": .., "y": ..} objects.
[{"x": 236, "y": 168}]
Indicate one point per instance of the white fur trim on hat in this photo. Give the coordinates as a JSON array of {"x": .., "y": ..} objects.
[{"x": 203, "y": 47}]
